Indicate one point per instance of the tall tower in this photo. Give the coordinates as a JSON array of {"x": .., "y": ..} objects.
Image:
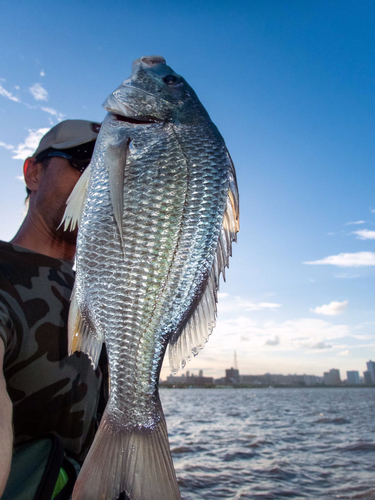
[{"x": 235, "y": 365}]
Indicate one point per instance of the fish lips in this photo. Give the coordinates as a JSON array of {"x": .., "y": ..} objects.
[{"x": 124, "y": 113}]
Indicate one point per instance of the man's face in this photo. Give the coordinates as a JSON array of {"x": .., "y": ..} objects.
[{"x": 56, "y": 183}]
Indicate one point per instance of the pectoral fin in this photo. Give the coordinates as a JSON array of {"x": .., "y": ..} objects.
[{"x": 115, "y": 160}]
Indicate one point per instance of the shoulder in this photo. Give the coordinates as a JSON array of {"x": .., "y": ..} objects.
[{"x": 20, "y": 265}]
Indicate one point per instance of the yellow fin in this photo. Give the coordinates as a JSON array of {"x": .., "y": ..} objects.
[{"x": 80, "y": 338}]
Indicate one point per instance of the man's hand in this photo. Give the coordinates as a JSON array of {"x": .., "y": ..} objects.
[{"x": 6, "y": 432}]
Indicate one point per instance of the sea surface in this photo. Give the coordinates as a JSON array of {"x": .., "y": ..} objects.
[{"x": 272, "y": 444}]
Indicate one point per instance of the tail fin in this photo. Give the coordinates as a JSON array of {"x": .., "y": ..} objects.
[{"x": 137, "y": 462}]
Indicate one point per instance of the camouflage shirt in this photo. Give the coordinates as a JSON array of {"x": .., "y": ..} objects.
[{"x": 50, "y": 391}]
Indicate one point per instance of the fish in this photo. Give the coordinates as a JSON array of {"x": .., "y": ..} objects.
[{"x": 158, "y": 211}]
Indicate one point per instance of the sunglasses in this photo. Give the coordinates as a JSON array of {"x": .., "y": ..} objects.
[
  {"x": 79, "y": 165},
  {"x": 79, "y": 157}
]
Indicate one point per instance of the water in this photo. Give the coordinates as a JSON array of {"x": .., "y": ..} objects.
[{"x": 272, "y": 444}]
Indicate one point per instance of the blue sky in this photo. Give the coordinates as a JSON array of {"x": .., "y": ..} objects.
[{"x": 291, "y": 86}]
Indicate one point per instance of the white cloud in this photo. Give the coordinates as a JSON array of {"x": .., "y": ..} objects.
[
  {"x": 6, "y": 146},
  {"x": 53, "y": 112},
  {"x": 27, "y": 148},
  {"x": 38, "y": 92},
  {"x": 228, "y": 303},
  {"x": 347, "y": 260},
  {"x": 299, "y": 334},
  {"x": 42, "y": 73},
  {"x": 256, "y": 306},
  {"x": 17, "y": 87},
  {"x": 365, "y": 234},
  {"x": 355, "y": 223},
  {"x": 344, "y": 353},
  {"x": 331, "y": 309},
  {"x": 8, "y": 95}
]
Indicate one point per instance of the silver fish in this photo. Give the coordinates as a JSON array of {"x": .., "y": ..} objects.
[{"x": 159, "y": 215}]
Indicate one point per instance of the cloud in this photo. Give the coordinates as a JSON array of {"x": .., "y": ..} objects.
[
  {"x": 8, "y": 95},
  {"x": 299, "y": 334},
  {"x": 365, "y": 234},
  {"x": 357, "y": 259},
  {"x": 42, "y": 73},
  {"x": 228, "y": 303},
  {"x": 253, "y": 306},
  {"x": 274, "y": 341},
  {"x": 53, "y": 112},
  {"x": 27, "y": 148},
  {"x": 355, "y": 223},
  {"x": 331, "y": 309},
  {"x": 6, "y": 146},
  {"x": 319, "y": 346},
  {"x": 38, "y": 92},
  {"x": 344, "y": 353}
]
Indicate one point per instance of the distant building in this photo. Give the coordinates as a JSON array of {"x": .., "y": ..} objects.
[
  {"x": 232, "y": 376},
  {"x": 332, "y": 377},
  {"x": 190, "y": 380},
  {"x": 312, "y": 380},
  {"x": 275, "y": 379},
  {"x": 353, "y": 377},
  {"x": 371, "y": 369},
  {"x": 367, "y": 378}
]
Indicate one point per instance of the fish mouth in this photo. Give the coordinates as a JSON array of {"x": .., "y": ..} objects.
[
  {"x": 122, "y": 112},
  {"x": 136, "y": 120}
]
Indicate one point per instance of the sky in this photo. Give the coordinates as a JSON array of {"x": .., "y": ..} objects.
[{"x": 291, "y": 87}]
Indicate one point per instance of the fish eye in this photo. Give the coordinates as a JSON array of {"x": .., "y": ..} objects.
[{"x": 170, "y": 79}]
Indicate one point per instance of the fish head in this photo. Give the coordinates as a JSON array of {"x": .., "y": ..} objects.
[{"x": 154, "y": 93}]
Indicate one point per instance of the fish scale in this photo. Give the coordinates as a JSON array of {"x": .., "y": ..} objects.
[{"x": 151, "y": 246}]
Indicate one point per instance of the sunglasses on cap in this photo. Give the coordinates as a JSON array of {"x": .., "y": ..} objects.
[{"x": 78, "y": 157}]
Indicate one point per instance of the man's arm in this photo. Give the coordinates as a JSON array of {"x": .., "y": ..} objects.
[{"x": 6, "y": 432}]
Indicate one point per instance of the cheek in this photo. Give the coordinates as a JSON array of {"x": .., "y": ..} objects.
[{"x": 57, "y": 187}]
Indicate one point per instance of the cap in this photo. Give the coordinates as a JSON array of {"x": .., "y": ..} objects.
[{"x": 68, "y": 134}]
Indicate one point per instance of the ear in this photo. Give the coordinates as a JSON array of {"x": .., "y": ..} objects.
[{"x": 31, "y": 171}]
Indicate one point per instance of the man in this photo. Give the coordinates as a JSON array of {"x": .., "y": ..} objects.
[{"x": 47, "y": 390}]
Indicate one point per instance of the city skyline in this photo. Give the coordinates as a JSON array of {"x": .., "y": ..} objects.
[
  {"x": 333, "y": 371},
  {"x": 233, "y": 377},
  {"x": 290, "y": 86}
]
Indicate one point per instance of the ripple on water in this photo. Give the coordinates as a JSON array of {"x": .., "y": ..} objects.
[{"x": 311, "y": 444}]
